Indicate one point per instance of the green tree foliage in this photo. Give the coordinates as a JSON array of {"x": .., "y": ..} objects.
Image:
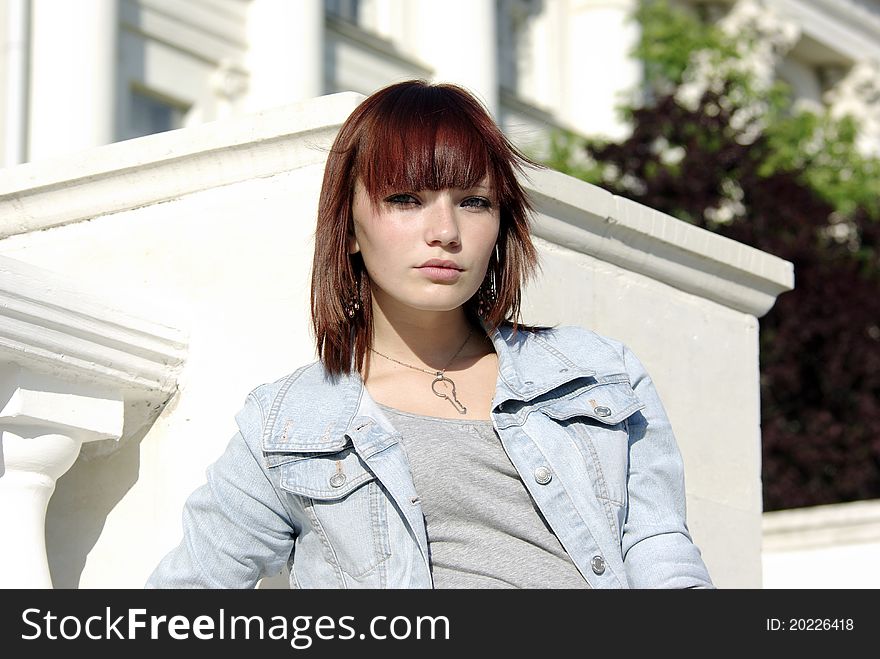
[{"x": 741, "y": 162}]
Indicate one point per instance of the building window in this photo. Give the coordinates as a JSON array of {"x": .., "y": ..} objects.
[
  {"x": 150, "y": 113},
  {"x": 516, "y": 27},
  {"x": 347, "y": 10}
]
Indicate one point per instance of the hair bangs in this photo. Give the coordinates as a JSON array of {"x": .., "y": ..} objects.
[{"x": 423, "y": 148}]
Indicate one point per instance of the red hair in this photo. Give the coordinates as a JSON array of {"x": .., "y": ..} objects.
[{"x": 416, "y": 136}]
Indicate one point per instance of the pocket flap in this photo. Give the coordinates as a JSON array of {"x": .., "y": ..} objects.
[
  {"x": 606, "y": 402},
  {"x": 322, "y": 475},
  {"x": 288, "y": 437}
]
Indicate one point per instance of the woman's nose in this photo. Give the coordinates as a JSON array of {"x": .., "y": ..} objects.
[{"x": 442, "y": 223}]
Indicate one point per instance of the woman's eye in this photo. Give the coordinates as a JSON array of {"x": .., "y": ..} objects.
[
  {"x": 401, "y": 200},
  {"x": 477, "y": 202}
]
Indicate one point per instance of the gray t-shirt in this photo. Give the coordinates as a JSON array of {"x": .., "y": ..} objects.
[{"x": 484, "y": 530}]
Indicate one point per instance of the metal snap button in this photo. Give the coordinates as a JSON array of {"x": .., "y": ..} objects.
[
  {"x": 337, "y": 480},
  {"x": 543, "y": 475},
  {"x": 603, "y": 411},
  {"x": 598, "y": 564}
]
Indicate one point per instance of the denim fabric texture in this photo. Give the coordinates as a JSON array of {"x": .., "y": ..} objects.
[{"x": 316, "y": 477}]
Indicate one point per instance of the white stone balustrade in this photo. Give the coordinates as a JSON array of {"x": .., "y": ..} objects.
[{"x": 73, "y": 369}]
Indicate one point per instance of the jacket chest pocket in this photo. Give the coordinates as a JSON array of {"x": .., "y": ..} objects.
[
  {"x": 344, "y": 505},
  {"x": 596, "y": 421}
]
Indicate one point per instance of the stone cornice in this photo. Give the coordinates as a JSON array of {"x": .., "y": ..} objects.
[
  {"x": 588, "y": 219},
  {"x": 125, "y": 175},
  {"x": 841, "y": 25},
  {"x": 855, "y": 16},
  {"x": 47, "y": 326},
  {"x": 378, "y": 45}
]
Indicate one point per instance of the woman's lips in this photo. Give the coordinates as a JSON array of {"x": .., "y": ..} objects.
[{"x": 440, "y": 274}]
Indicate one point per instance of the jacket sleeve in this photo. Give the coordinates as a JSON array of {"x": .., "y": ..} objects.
[
  {"x": 235, "y": 527},
  {"x": 657, "y": 548}
]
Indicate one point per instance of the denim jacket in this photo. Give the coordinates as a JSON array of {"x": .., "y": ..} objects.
[{"x": 316, "y": 477}]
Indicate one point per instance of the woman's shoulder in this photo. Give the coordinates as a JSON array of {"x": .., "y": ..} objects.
[
  {"x": 308, "y": 377},
  {"x": 608, "y": 359},
  {"x": 573, "y": 341},
  {"x": 307, "y": 398}
]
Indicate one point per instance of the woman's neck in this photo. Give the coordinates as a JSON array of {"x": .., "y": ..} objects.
[{"x": 428, "y": 338}]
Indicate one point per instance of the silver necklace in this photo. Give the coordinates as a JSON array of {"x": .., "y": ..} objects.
[{"x": 440, "y": 379}]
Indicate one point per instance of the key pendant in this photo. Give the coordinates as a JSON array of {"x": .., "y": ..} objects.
[{"x": 442, "y": 382}]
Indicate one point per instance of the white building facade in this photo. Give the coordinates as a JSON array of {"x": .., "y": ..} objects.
[{"x": 135, "y": 67}]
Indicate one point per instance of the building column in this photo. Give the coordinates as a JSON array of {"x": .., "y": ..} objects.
[
  {"x": 601, "y": 35},
  {"x": 73, "y": 88},
  {"x": 285, "y": 59},
  {"x": 461, "y": 45},
  {"x": 15, "y": 80},
  {"x": 41, "y": 432}
]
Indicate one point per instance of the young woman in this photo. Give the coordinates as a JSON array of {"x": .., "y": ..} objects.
[{"x": 437, "y": 442}]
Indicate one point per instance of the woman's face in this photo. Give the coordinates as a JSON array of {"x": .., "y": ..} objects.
[{"x": 410, "y": 233}]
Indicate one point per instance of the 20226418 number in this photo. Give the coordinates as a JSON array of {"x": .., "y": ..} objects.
[{"x": 809, "y": 624}]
